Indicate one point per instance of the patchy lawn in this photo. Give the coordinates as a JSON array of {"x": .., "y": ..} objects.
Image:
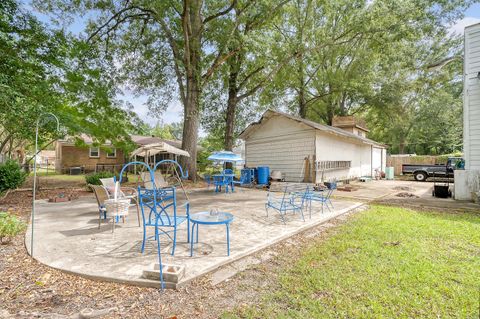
[{"x": 386, "y": 262}]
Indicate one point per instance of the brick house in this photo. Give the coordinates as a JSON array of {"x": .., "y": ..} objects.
[{"x": 91, "y": 159}]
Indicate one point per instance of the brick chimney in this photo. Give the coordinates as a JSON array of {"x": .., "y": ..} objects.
[{"x": 351, "y": 124}]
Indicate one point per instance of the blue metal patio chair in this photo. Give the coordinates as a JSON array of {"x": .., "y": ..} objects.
[
  {"x": 246, "y": 177},
  {"x": 323, "y": 197},
  {"x": 288, "y": 202},
  {"x": 152, "y": 178},
  {"x": 159, "y": 210},
  {"x": 220, "y": 181}
]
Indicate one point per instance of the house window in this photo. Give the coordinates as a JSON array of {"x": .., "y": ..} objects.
[
  {"x": 94, "y": 152},
  {"x": 112, "y": 154}
]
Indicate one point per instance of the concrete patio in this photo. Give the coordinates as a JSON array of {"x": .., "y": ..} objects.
[{"x": 67, "y": 236}]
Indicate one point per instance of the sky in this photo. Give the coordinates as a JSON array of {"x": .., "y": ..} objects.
[{"x": 175, "y": 109}]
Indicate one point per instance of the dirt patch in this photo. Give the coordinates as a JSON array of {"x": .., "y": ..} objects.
[
  {"x": 29, "y": 289},
  {"x": 348, "y": 188},
  {"x": 403, "y": 188},
  {"x": 19, "y": 202},
  {"x": 406, "y": 195}
]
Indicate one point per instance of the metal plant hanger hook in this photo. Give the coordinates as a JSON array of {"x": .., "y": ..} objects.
[{"x": 48, "y": 116}]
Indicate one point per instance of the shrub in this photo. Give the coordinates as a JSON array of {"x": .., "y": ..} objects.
[
  {"x": 11, "y": 175},
  {"x": 94, "y": 178},
  {"x": 10, "y": 226}
]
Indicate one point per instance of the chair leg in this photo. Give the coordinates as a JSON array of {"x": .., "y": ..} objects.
[
  {"x": 283, "y": 217},
  {"x": 188, "y": 223},
  {"x": 113, "y": 224},
  {"x": 191, "y": 243},
  {"x": 228, "y": 239},
  {"x": 99, "y": 219},
  {"x": 174, "y": 240},
  {"x": 197, "y": 235},
  {"x": 266, "y": 209},
  {"x": 138, "y": 212},
  {"x": 144, "y": 237},
  {"x": 301, "y": 212}
]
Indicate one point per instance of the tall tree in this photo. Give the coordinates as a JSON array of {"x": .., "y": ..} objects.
[{"x": 152, "y": 42}]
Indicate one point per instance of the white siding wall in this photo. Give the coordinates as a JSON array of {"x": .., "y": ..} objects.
[
  {"x": 472, "y": 98},
  {"x": 281, "y": 144},
  {"x": 331, "y": 148}
]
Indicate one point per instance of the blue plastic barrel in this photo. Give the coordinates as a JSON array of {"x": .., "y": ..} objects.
[{"x": 263, "y": 174}]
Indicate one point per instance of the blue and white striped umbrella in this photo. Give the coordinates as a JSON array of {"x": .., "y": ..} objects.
[{"x": 225, "y": 156}]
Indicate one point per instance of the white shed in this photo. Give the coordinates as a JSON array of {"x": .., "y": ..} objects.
[
  {"x": 303, "y": 150},
  {"x": 467, "y": 181}
]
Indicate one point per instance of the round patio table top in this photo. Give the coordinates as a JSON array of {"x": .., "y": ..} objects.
[{"x": 211, "y": 218}]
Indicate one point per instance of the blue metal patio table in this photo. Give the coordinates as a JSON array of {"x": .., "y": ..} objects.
[
  {"x": 210, "y": 218},
  {"x": 220, "y": 180}
]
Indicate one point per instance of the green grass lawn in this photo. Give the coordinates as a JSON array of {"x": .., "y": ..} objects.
[{"x": 384, "y": 263}]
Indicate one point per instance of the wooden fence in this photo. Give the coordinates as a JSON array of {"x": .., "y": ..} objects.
[{"x": 397, "y": 161}]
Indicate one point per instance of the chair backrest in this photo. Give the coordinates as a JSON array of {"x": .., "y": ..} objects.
[
  {"x": 148, "y": 183},
  {"x": 101, "y": 194},
  {"x": 228, "y": 171},
  {"x": 109, "y": 185},
  {"x": 159, "y": 204},
  {"x": 108, "y": 182}
]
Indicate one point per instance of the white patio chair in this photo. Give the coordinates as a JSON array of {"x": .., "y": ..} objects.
[
  {"x": 123, "y": 193},
  {"x": 116, "y": 208}
]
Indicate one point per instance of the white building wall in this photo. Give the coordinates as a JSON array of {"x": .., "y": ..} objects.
[
  {"x": 332, "y": 148},
  {"x": 281, "y": 144},
  {"x": 472, "y": 98},
  {"x": 467, "y": 182}
]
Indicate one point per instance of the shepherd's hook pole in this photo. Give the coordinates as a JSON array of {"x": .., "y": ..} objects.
[{"x": 35, "y": 170}]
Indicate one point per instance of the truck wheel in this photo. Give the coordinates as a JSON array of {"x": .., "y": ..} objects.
[{"x": 420, "y": 177}]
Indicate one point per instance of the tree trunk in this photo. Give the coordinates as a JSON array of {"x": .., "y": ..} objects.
[
  {"x": 234, "y": 66},
  {"x": 5, "y": 141},
  {"x": 230, "y": 121},
  {"x": 190, "y": 134},
  {"x": 192, "y": 25},
  {"x": 401, "y": 148},
  {"x": 302, "y": 106}
]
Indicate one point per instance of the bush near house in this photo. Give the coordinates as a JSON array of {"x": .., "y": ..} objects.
[
  {"x": 11, "y": 175},
  {"x": 94, "y": 178},
  {"x": 10, "y": 226}
]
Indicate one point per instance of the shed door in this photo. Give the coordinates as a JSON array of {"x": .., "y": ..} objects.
[
  {"x": 376, "y": 159},
  {"x": 286, "y": 154}
]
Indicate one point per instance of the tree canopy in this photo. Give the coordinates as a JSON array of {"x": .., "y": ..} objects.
[
  {"x": 44, "y": 70},
  {"x": 226, "y": 61}
]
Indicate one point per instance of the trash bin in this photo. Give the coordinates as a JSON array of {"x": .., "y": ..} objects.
[
  {"x": 263, "y": 175},
  {"x": 389, "y": 173}
]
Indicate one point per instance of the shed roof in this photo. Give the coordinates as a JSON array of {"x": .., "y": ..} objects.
[{"x": 317, "y": 126}]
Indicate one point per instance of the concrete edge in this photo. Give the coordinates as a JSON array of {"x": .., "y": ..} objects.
[
  {"x": 141, "y": 282},
  {"x": 270, "y": 243}
]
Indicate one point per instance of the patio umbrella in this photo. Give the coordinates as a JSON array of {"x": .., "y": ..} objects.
[{"x": 225, "y": 156}]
